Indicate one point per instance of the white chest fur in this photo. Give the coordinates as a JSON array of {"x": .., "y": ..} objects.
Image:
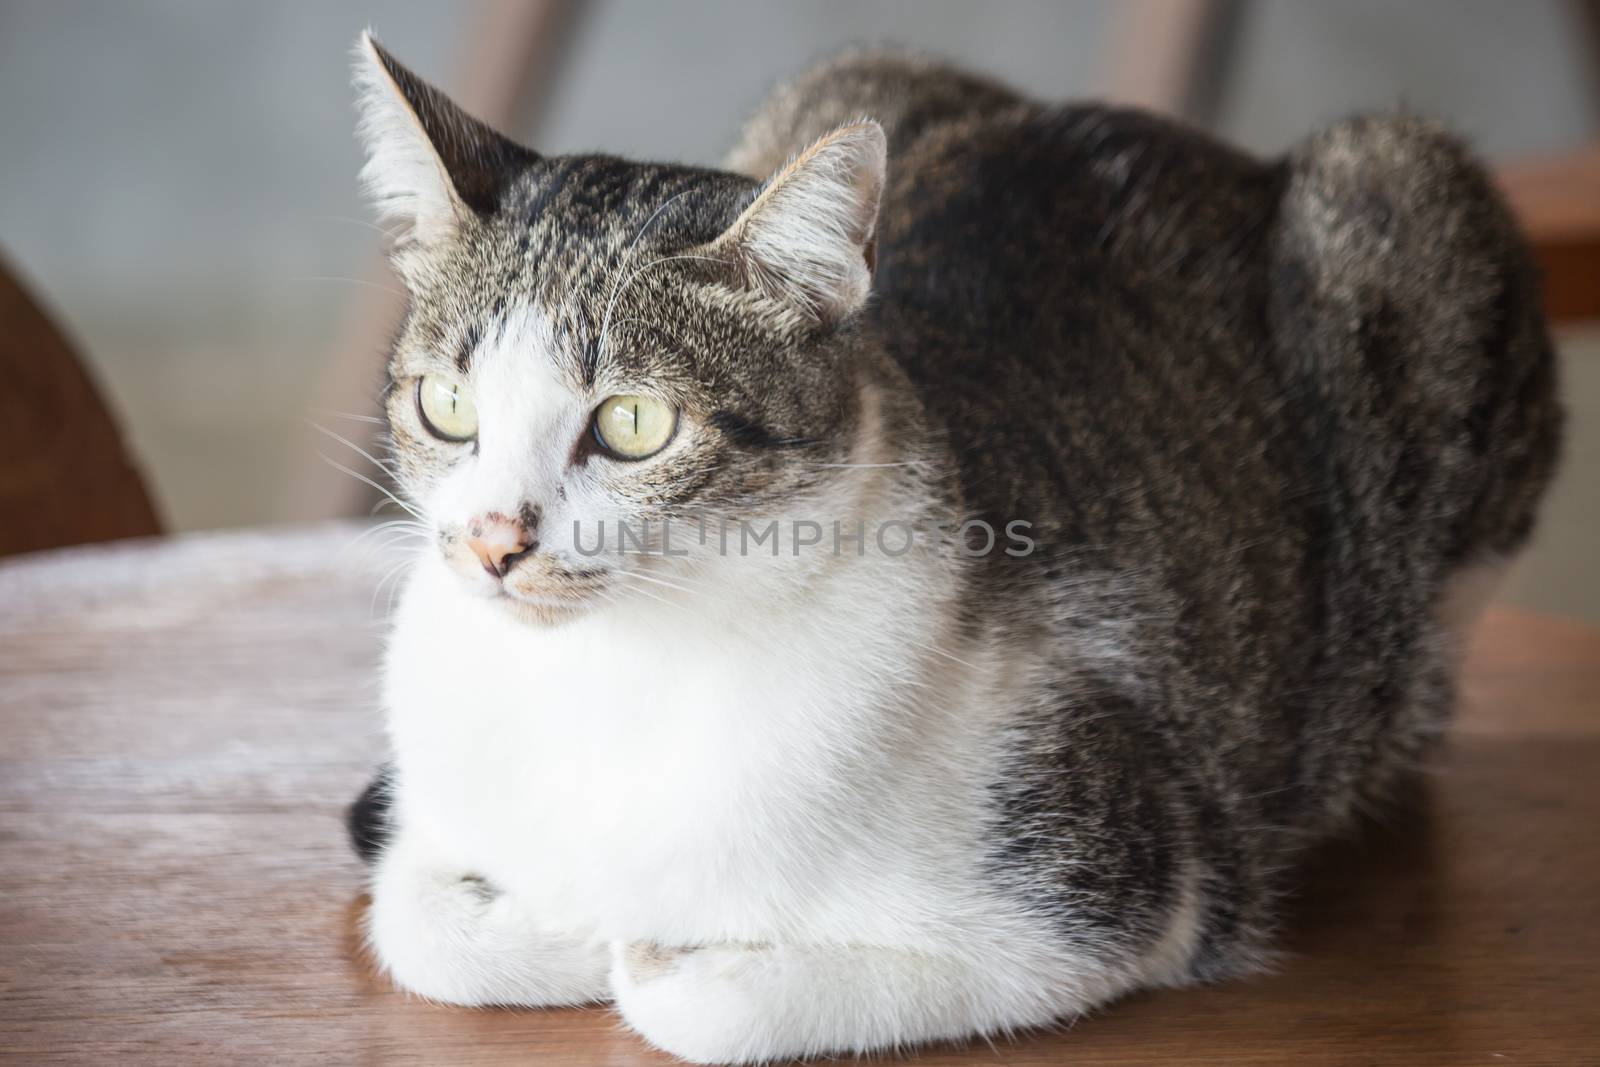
[{"x": 660, "y": 773}]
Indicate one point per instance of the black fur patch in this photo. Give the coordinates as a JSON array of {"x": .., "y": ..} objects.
[
  {"x": 367, "y": 819},
  {"x": 747, "y": 434}
]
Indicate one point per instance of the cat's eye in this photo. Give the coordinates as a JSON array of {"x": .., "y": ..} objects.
[
  {"x": 446, "y": 408},
  {"x": 634, "y": 427}
]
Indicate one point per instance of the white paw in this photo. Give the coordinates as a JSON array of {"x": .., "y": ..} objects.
[
  {"x": 753, "y": 1003},
  {"x": 709, "y": 1004},
  {"x": 456, "y": 939}
]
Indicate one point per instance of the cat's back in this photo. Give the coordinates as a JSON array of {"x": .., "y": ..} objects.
[
  {"x": 1296, "y": 396},
  {"x": 909, "y": 95},
  {"x": 1041, "y": 268},
  {"x": 995, "y": 201},
  {"x": 1114, "y": 294},
  {"x": 1077, "y": 295}
]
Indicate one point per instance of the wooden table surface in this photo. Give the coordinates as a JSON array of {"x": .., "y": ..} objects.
[{"x": 182, "y": 722}]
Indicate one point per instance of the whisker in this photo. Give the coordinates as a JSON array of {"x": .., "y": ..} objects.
[
  {"x": 357, "y": 449},
  {"x": 403, "y": 549},
  {"x": 408, "y": 526},
  {"x": 627, "y": 258},
  {"x": 391, "y": 538},
  {"x": 652, "y": 325},
  {"x": 346, "y": 281},
  {"x": 662, "y": 581},
  {"x": 386, "y": 502},
  {"x": 394, "y": 590},
  {"x": 605, "y": 321},
  {"x": 390, "y": 234},
  {"x": 862, "y": 466},
  {"x": 392, "y": 574},
  {"x": 652, "y": 596},
  {"x": 658, "y": 555},
  {"x": 336, "y": 465},
  {"x": 348, "y": 415},
  {"x": 947, "y": 655}
]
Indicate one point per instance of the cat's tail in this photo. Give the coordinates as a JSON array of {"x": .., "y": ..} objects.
[{"x": 1406, "y": 304}]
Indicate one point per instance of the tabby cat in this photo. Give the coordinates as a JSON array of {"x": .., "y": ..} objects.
[{"x": 933, "y": 575}]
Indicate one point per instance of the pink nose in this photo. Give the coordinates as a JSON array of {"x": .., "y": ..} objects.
[{"x": 499, "y": 543}]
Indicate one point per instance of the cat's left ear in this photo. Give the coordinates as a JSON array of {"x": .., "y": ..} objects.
[
  {"x": 809, "y": 240},
  {"x": 429, "y": 163}
]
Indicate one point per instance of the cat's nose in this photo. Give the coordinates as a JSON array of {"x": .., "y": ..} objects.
[{"x": 499, "y": 543}]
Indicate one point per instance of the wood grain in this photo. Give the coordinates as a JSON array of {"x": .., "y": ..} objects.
[
  {"x": 181, "y": 723},
  {"x": 65, "y": 476}
]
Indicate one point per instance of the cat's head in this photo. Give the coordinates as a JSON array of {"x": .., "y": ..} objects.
[{"x": 592, "y": 340}]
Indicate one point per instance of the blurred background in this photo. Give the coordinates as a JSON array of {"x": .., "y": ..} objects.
[{"x": 178, "y": 179}]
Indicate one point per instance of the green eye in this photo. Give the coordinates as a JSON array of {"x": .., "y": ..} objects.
[
  {"x": 634, "y": 427},
  {"x": 446, "y": 408}
]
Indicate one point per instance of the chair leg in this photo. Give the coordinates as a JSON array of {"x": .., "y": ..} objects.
[{"x": 1174, "y": 56}]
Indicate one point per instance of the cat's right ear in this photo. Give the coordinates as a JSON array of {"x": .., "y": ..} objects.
[
  {"x": 428, "y": 162},
  {"x": 809, "y": 238}
]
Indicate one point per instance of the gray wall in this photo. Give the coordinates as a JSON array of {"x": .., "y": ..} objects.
[{"x": 178, "y": 178}]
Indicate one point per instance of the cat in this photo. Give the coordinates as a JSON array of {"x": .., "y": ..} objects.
[{"x": 1198, "y": 467}]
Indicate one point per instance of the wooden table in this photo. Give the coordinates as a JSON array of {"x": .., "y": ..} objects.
[{"x": 182, "y": 722}]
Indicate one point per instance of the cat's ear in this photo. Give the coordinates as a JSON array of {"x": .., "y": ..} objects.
[
  {"x": 809, "y": 239},
  {"x": 428, "y": 162}
]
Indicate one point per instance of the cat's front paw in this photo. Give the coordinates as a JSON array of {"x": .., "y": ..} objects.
[
  {"x": 455, "y": 938},
  {"x": 426, "y": 927},
  {"x": 757, "y": 1003},
  {"x": 705, "y": 1004}
]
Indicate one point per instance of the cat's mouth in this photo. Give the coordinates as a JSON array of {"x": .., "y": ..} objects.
[
  {"x": 537, "y": 588},
  {"x": 553, "y": 603},
  {"x": 542, "y": 610}
]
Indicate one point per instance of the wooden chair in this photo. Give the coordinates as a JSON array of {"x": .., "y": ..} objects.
[
  {"x": 65, "y": 475},
  {"x": 1557, "y": 201}
]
